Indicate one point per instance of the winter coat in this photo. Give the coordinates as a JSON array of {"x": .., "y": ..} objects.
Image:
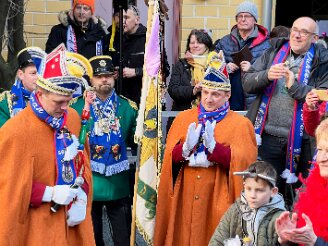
[
  {"x": 86, "y": 41},
  {"x": 255, "y": 80},
  {"x": 312, "y": 118},
  {"x": 133, "y": 57},
  {"x": 232, "y": 222},
  {"x": 229, "y": 44},
  {"x": 180, "y": 89}
]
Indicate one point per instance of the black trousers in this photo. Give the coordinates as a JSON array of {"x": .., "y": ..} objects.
[
  {"x": 119, "y": 215},
  {"x": 273, "y": 150}
]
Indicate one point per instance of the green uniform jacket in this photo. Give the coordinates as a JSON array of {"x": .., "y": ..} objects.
[
  {"x": 107, "y": 188},
  {"x": 5, "y": 107}
]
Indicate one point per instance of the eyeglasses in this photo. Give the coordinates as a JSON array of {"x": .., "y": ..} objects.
[
  {"x": 303, "y": 33},
  {"x": 244, "y": 16}
]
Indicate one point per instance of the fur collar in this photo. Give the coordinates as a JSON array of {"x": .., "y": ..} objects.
[{"x": 65, "y": 14}]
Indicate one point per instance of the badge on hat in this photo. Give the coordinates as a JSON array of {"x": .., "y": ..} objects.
[
  {"x": 102, "y": 65},
  {"x": 216, "y": 75},
  {"x": 30, "y": 56},
  {"x": 62, "y": 71}
]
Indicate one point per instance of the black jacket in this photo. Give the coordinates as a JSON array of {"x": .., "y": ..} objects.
[
  {"x": 86, "y": 41},
  {"x": 133, "y": 57},
  {"x": 179, "y": 88},
  {"x": 256, "y": 79}
]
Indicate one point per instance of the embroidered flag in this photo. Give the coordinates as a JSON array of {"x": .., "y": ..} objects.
[{"x": 148, "y": 130}]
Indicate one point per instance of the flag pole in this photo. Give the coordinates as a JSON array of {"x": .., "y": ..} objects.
[{"x": 134, "y": 207}]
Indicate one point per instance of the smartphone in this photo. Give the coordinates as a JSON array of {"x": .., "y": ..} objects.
[{"x": 322, "y": 94}]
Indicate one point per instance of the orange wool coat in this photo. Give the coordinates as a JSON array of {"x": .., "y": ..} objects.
[
  {"x": 27, "y": 154},
  {"x": 188, "y": 212}
]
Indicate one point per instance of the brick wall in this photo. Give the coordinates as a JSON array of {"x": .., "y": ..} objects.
[
  {"x": 39, "y": 18},
  {"x": 216, "y": 15}
]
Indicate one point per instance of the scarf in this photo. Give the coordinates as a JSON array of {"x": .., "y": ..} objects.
[
  {"x": 71, "y": 44},
  {"x": 252, "y": 218},
  {"x": 199, "y": 64},
  {"x": 313, "y": 199},
  {"x": 66, "y": 144},
  {"x": 108, "y": 150},
  {"x": 203, "y": 116},
  {"x": 19, "y": 97},
  {"x": 296, "y": 130},
  {"x": 112, "y": 37}
]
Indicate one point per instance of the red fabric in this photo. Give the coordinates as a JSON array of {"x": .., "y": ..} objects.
[
  {"x": 312, "y": 118},
  {"x": 313, "y": 200},
  {"x": 177, "y": 154},
  {"x": 85, "y": 187},
  {"x": 221, "y": 155},
  {"x": 37, "y": 194}
]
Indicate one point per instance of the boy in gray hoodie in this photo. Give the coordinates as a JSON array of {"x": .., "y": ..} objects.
[{"x": 252, "y": 217}]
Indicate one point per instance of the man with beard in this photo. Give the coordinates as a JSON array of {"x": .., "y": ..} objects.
[
  {"x": 80, "y": 31},
  {"x": 41, "y": 159},
  {"x": 111, "y": 130},
  {"x": 15, "y": 100}
]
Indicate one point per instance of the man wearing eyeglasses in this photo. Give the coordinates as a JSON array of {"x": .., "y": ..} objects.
[
  {"x": 282, "y": 77},
  {"x": 245, "y": 33}
]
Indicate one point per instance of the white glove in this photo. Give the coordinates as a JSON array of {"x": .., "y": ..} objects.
[
  {"x": 200, "y": 160},
  {"x": 63, "y": 194},
  {"x": 191, "y": 139},
  {"x": 208, "y": 136},
  {"x": 77, "y": 212}
]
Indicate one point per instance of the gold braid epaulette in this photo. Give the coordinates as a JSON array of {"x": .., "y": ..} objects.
[
  {"x": 132, "y": 103},
  {"x": 3, "y": 95},
  {"x": 73, "y": 100},
  {"x": 6, "y": 95}
]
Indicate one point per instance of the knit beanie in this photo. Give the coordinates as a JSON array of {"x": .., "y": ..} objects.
[
  {"x": 90, "y": 3},
  {"x": 248, "y": 7}
]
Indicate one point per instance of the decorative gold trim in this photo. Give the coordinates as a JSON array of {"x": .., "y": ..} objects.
[
  {"x": 216, "y": 85},
  {"x": 99, "y": 57},
  {"x": 49, "y": 86},
  {"x": 132, "y": 103},
  {"x": 74, "y": 100},
  {"x": 7, "y": 95}
]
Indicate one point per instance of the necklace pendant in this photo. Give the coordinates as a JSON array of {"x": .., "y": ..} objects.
[
  {"x": 105, "y": 125},
  {"x": 98, "y": 129},
  {"x": 67, "y": 173}
]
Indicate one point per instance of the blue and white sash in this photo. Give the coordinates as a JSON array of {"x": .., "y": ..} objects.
[
  {"x": 66, "y": 144},
  {"x": 203, "y": 117},
  {"x": 71, "y": 43},
  {"x": 19, "y": 97},
  {"x": 107, "y": 146},
  {"x": 297, "y": 127}
]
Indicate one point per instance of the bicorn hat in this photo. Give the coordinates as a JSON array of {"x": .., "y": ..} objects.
[
  {"x": 102, "y": 65},
  {"x": 62, "y": 71},
  {"x": 30, "y": 56},
  {"x": 216, "y": 75}
]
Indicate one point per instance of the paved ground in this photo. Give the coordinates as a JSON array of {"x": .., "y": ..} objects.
[{"x": 108, "y": 238}]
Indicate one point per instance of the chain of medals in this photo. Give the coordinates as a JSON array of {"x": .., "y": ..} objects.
[
  {"x": 105, "y": 116},
  {"x": 67, "y": 171}
]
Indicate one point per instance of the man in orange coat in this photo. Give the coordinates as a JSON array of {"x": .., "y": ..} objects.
[
  {"x": 39, "y": 164},
  {"x": 204, "y": 147}
]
